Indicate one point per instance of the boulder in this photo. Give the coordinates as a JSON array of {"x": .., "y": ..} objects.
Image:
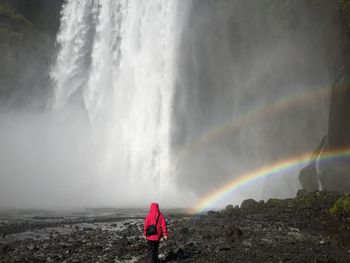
[
  {"x": 249, "y": 204},
  {"x": 308, "y": 178},
  {"x": 229, "y": 208},
  {"x": 274, "y": 202}
]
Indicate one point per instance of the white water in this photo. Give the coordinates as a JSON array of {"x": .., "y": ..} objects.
[{"x": 117, "y": 59}]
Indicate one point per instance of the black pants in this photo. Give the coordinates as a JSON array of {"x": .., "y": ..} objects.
[{"x": 153, "y": 251}]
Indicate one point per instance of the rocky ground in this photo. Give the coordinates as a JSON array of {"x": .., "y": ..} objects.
[{"x": 292, "y": 230}]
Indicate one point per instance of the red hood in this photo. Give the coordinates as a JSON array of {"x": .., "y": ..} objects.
[
  {"x": 155, "y": 217},
  {"x": 154, "y": 208}
]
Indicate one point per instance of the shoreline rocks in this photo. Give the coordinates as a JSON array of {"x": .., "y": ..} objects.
[{"x": 299, "y": 229}]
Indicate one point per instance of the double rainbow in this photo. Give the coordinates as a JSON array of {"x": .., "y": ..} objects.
[
  {"x": 257, "y": 112},
  {"x": 265, "y": 171},
  {"x": 296, "y": 100}
]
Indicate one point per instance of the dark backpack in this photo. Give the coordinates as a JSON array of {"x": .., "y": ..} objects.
[{"x": 151, "y": 230}]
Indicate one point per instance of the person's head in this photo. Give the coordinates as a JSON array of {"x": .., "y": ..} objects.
[{"x": 154, "y": 207}]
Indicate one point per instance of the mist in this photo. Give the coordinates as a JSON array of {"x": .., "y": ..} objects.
[
  {"x": 46, "y": 161},
  {"x": 252, "y": 89},
  {"x": 125, "y": 113}
]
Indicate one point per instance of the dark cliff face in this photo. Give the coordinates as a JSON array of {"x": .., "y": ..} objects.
[
  {"x": 43, "y": 14},
  {"x": 339, "y": 115},
  {"x": 334, "y": 173},
  {"x": 28, "y": 31}
]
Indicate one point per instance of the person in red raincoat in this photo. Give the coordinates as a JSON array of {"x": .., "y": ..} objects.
[{"x": 153, "y": 240}]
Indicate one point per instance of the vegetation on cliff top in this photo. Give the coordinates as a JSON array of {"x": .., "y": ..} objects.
[
  {"x": 342, "y": 205},
  {"x": 8, "y": 12},
  {"x": 12, "y": 24},
  {"x": 346, "y": 14}
]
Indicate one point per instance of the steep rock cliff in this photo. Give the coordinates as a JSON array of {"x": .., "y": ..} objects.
[
  {"x": 28, "y": 30},
  {"x": 334, "y": 173}
]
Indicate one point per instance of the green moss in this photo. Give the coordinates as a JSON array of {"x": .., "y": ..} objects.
[
  {"x": 10, "y": 35},
  {"x": 341, "y": 205},
  {"x": 13, "y": 26},
  {"x": 7, "y": 12},
  {"x": 305, "y": 198},
  {"x": 303, "y": 201}
]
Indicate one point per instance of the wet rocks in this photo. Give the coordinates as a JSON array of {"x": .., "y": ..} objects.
[
  {"x": 249, "y": 204},
  {"x": 186, "y": 252},
  {"x": 273, "y": 202},
  {"x": 184, "y": 230},
  {"x": 6, "y": 249},
  {"x": 233, "y": 234},
  {"x": 290, "y": 230},
  {"x": 80, "y": 245},
  {"x": 298, "y": 229},
  {"x": 212, "y": 213}
]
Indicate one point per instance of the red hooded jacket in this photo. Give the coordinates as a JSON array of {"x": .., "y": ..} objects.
[{"x": 151, "y": 219}]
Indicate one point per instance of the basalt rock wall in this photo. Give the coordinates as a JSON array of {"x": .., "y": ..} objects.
[
  {"x": 28, "y": 31},
  {"x": 334, "y": 173},
  {"x": 339, "y": 115}
]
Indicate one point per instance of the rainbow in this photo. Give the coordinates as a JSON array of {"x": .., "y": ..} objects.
[
  {"x": 265, "y": 171},
  {"x": 259, "y": 112}
]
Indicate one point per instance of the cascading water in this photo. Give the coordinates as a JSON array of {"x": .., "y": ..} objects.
[{"x": 117, "y": 60}]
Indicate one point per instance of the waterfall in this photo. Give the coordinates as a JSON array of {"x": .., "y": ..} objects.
[
  {"x": 116, "y": 60},
  {"x": 168, "y": 100},
  {"x": 159, "y": 80}
]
